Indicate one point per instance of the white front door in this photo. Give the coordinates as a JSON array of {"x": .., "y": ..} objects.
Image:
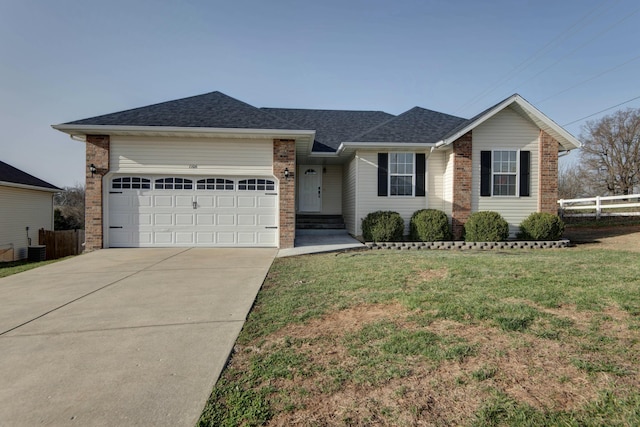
[{"x": 310, "y": 191}]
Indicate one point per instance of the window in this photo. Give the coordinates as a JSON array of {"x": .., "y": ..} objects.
[
  {"x": 256, "y": 184},
  {"x": 131, "y": 183},
  {"x": 173, "y": 184},
  {"x": 504, "y": 173},
  {"x": 214, "y": 184},
  {"x": 401, "y": 174}
]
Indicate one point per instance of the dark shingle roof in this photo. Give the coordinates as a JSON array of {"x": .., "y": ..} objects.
[
  {"x": 416, "y": 125},
  {"x": 332, "y": 126},
  {"x": 211, "y": 110},
  {"x": 14, "y": 175}
]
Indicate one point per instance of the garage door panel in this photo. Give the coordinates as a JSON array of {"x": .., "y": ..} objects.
[
  {"x": 226, "y": 220},
  {"x": 164, "y": 200},
  {"x": 163, "y": 219},
  {"x": 210, "y": 215},
  {"x": 184, "y": 219},
  {"x": 226, "y": 201},
  {"x": 246, "y": 201}
]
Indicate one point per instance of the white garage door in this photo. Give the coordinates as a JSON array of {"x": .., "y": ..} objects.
[{"x": 149, "y": 211}]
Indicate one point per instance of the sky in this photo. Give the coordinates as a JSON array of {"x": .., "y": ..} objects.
[{"x": 66, "y": 60}]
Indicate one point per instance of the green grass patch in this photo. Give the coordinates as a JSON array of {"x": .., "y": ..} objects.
[
  {"x": 14, "y": 267},
  {"x": 511, "y": 295}
]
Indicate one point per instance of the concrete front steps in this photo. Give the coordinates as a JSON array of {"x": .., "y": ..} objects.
[{"x": 319, "y": 222}]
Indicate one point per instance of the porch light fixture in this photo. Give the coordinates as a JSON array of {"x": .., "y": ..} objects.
[
  {"x": 286, "y": 173},
  {"x": 92, "y": 169}
]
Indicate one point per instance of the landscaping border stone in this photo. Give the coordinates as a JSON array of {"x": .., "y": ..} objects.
[{"x": 459, "y": 245}]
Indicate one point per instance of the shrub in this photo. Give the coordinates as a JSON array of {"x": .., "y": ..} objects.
[
  {"x": 541, "y": 226},
  {"x": 383, "y": 226},
  {"x": 486, "y": 226},
  {"x": 429, "y": 225}
]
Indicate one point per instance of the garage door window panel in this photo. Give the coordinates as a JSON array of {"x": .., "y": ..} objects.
[
  {"x": 130, "y": 183},
  {"x": 255, "y": 184},
  {"x": 173, "y": 184},
  {"x": 215, "y": 184}
]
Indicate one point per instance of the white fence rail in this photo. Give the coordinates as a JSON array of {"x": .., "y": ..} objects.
[{"x": 626, "y": 205}]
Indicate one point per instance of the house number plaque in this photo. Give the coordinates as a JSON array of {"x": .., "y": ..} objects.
[{"x": 193, "y": 166}]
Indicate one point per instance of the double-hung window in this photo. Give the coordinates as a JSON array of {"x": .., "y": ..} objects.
[
  {"x": 505, "y": 173},
  {"x": 401, "y": 174}
]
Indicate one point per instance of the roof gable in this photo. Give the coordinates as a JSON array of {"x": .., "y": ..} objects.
[
  {"x": 9, "y": 174},
  {"x": 417, "y": 125},
  {"x": 332, "y": 126},
  {"x": 526, "y": 110},
  {"x": 210, "y": 110}
]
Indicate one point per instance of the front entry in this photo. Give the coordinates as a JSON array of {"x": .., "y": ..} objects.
[{"x": 310, "y": 188}]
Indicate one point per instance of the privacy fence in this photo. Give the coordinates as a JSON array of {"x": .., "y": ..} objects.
[
  {"x": 61, "y": 243},
  {"x": 597, "y": 207}
]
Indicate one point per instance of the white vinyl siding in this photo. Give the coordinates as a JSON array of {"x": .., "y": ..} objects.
[
  {"x": 349, "y": 195},
  {"x": 436, "y": 164},
  {"x": 19, "y": 209},
  {"x": 191, "y": 156},
  {"x": 448, "y": 183},
  {"x": 368, "y": 199},
  {"x": 332, "y": 190},
  {"x": 506, "y": 131}
]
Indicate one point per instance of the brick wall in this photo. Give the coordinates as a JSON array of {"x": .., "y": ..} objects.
[
  {"x": 548, "y": 174},
  {"x": 462, "y": 167},
  {"x": 284, "y": 157},
  {"x": 97, "y": 151}
]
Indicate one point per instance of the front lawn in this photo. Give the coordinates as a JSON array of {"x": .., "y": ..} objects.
[{"x": 513, "y": 337}]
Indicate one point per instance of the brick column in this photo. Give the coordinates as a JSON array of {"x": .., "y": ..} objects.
[
  {"x": 548, "y": 174},
  {"x": 462, "y": 167},
  {"x": 97, "y": 149},
  {"x": 284, "y": 157}
]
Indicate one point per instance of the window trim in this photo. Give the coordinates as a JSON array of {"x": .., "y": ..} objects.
[
  {"x": 412, "y": 174},
  {"x": 516, "y": 174}
]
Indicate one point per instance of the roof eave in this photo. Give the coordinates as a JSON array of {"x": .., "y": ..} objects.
[
  {"x": 390, "y": 145},
  {"x": 84, "y": 130},
  {"x": 30, "y": 187}
]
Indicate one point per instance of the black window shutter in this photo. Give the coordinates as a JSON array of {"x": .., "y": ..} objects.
[
  {"x": 525, "y": 174},
  {"x": 485, "y": 173},
  {"x": 420, "y": 174},
  {"x": 383, "y": 165}
]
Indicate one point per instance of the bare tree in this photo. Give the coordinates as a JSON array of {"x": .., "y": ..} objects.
[
  {"x": 611, "y": 151},
  {"x": 573, "y": 182},
  {"x": 69, "y": 208}
]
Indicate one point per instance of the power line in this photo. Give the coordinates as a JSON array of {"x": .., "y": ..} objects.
[
  {"x": 588, "y": 80},
  {"x": 511, "y": 74},
  {"x": 602, "y": 111}
]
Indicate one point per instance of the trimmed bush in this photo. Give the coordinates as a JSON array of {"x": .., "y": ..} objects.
[
  {"x": 429, "y": 225},
  {"x": 541, "y": 226},
  {"x": 486, "y": 226},
  {"x": 383, "y": 226}
]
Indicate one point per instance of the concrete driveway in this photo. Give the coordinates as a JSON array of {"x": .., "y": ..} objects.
[{"x": 122, "y": 336}]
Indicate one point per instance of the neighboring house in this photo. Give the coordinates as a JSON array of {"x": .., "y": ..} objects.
[
  {"x": 210, "y": 170},
  {"x": 26, "y": 206}
]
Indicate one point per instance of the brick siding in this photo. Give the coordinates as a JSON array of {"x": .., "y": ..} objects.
[
  {"x": 97, "y": 152},
  {"x": 284, "y": 157},
  {"x": 548, "y": 174},
  {"x": 462, "y": 167}
]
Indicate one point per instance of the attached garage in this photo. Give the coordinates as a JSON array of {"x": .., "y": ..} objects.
[{"x": 211, "y": 211}]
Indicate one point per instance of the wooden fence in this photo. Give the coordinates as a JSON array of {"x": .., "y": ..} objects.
[
  {"x": 61, "y": 243},
  {"x": 596, "y": 207}
]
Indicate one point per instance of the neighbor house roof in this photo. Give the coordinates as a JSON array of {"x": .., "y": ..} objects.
[
  {"x": 332, "y": 126},
  {"x": 14, "y": 177}
]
